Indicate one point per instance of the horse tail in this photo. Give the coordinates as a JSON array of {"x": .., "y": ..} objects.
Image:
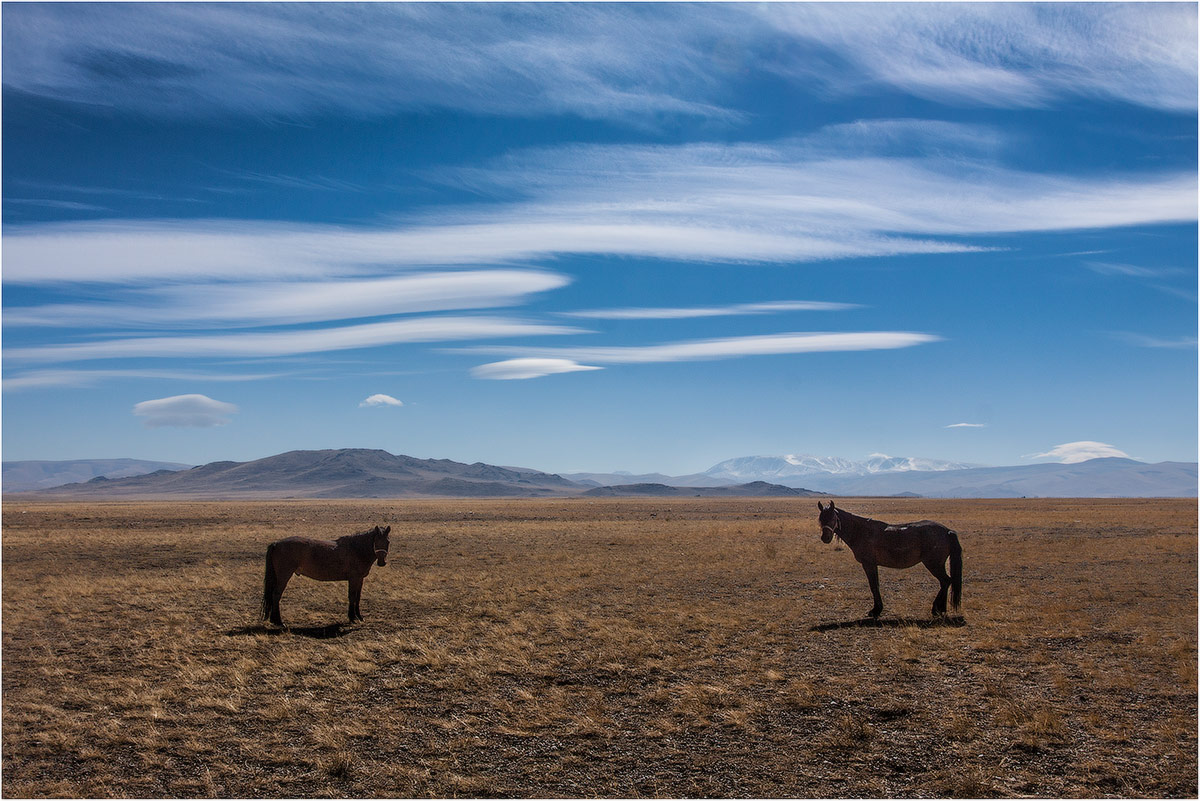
[
  {"x": 955, "y": 569},
  {"x": 269, "y": 582}
]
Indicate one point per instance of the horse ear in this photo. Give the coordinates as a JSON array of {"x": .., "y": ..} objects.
[
  {"x": 386, "y": 530},
  {"x": 819, "y": 506},
  {"x": 831, "y": 504}
]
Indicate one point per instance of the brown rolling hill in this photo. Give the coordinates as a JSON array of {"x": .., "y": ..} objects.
[{"x": 368, "y": 473}]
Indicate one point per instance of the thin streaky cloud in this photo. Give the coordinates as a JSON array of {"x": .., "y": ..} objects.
[
  {"x": 1146, "y": 341},
  {"x": 631, "y": 62},
  {"x": 1003, "y": 54},
  {"x": 520, "y": 369},
  {"x": 724, "y": 348},
  {"x": 770, "y": 307},
  {"x": 261, "y": 304},
  {"x": 967, "y": 425},
  {"x": 40, "y": 379},
  {"x": 153, "y": 251},
  {"x": 290, "y": 343},
  {"x": 772, "y": 205},
  {"x": 1131, "y": 270}
]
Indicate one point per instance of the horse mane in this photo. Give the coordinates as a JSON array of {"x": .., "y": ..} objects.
[
  {"x": 859, "y": 518},
  {"x": 355, "y": 540}
]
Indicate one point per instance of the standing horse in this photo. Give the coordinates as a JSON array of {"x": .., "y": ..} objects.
[
  {"x": 347, "y": 559},
  {"x": 876, "y": 543}
]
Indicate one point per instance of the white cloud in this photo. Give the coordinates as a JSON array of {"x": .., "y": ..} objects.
[
  {"x": 184, "y": 411},
  {"x": 1072, "y": 452},
  {"x": 741, "y": 203},
  {"x": 967, "y": 425},
  {"x": 727, "y": 348},
  {"x": 290, "y": 343},
  {"x": 1003, "y": 54},
  {"x": 371, "y": 59},
  {"x": 1146, "y": 341},
  {"x": 615, "y": 61},
  {"x": 380, "y": 400},
  {"x": 770, "y": 307},
  {"x": 512, "y": 369},
  {"x": 280, "y": 302},
  {"x": 1131, "y": 270},
  {"x": 39, "y": 379}
]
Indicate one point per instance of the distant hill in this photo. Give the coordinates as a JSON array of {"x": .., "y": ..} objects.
[
  {"x": 792, "y": 468},
  {"x": 624, "y": 479},
  {"x": 22, "y": 476},
  {"x": 755, "y": 489},
  {"x": 1095, "y": 478},
  {"x": 345, "y": 473},
  {"x": 886, "y": 476},
  {"x": 363, "y": 473}
]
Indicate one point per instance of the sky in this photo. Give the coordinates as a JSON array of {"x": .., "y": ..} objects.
[{"x": 599, "y": 237}]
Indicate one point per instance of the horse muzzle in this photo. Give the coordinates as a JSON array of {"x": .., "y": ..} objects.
[
  {"x": 827, "y": 534},
  {"x": 381, "y": 558}
]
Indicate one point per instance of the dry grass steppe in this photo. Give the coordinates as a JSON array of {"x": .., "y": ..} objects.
[{"x": 624, "y": 648}]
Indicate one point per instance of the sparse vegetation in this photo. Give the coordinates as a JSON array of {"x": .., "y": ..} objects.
[{"x": 610, "y": 647}]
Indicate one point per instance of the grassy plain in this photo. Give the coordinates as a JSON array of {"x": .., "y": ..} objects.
[{"x": 607, "y": 648}]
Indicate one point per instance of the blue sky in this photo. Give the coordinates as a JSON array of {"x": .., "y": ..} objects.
[{"x": 600, "y": 237}]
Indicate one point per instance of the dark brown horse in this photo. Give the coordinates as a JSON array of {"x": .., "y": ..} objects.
[
  {"x": 348, "y": 559},
  {"x": 876, "y": 543}
]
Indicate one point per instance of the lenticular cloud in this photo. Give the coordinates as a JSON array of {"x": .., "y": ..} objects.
[
  {"x": 380, "y": 400},
  {"x": 1074, "y": 452},
  {"x": 184, "y": 411}
]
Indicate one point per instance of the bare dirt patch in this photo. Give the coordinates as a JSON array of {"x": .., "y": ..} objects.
[{"x": 610, "y": 647}]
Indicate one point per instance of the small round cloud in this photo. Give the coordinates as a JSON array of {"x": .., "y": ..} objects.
[
  {"x": 184, "y": 411},
  {"x": 380, "y": 400},
  {"x": 512, "y": 369}
]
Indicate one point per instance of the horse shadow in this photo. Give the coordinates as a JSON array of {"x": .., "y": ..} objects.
[
  {"x": 329, "y": 632},
  {"x": 956, "y": 621}
]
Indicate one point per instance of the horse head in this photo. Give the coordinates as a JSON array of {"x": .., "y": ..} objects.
[
  {"x": 379, "y": 542},
  {"x": 831, "y": 524}
]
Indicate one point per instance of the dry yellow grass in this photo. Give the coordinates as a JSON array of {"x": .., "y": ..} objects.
[{"x": 611, "y": 648}]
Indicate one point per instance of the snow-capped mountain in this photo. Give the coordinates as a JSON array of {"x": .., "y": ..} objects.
[{"x": 777, "y": 468}]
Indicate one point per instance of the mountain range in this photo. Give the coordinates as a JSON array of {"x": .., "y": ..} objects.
[
  {"x": 36, "y": 475},
  {"x": 365, "y": 473}
]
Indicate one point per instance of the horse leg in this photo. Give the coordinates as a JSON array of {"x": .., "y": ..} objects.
[
  {"x": 281, "y": 582},
  {"x": 872, "y": 571},
  {"x": 355, "y": 598},
  {"x": 938, "y": 569}
]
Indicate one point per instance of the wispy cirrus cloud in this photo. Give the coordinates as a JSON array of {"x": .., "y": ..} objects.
[
  {"x": 290, "y": 343},
  {"x": 708, "y": 349},
  {"x": 754, "y": 203},
  {"x": 768, "y": 307},
  {"x": 1147, "y": 341},
  {"x": 257, "y": 303},
  {"x": 615, "y": 61},
  {"x": 967, "y": 425},
  {"x": 41, "y": 379},
  {"x": 1002, "y": 54},
  {"x": 1131, "y": 270}
]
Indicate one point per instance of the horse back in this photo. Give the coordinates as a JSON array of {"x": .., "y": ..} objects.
[{"x": 317, "y": 559}]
